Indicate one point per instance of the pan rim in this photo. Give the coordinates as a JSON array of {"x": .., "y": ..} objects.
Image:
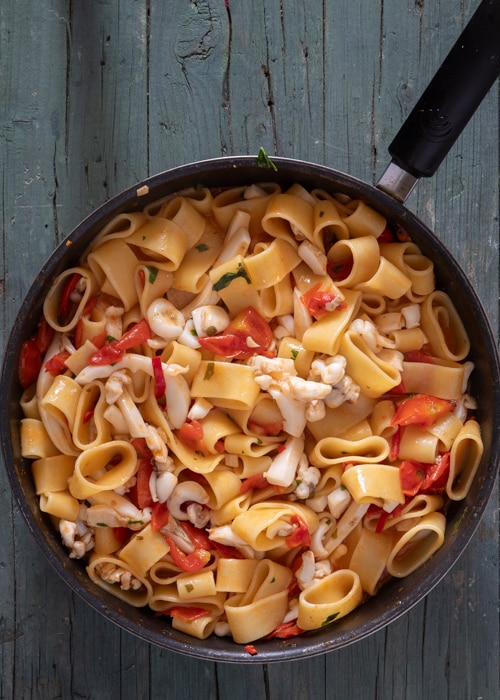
[{"x": 278, "y": 650}]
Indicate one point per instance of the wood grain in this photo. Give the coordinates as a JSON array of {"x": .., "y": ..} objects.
[{"x": 97, "y": 95}]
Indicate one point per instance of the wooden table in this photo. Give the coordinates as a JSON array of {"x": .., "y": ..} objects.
[{"x": 96, "y": 95}]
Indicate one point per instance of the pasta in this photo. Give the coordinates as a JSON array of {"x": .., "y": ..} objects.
[{"x": 252, "y": 409}]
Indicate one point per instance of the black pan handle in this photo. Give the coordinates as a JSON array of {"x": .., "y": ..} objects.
[{"x": 450, "y": 100}]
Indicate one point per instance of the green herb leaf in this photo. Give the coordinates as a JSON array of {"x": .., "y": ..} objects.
[
  {"x": 329, "y": 619},
  {"x": 295, "y": 354},
  {"x": 263, "y": 160},
  {"x": 228, "y": 277},
  {"x": 209, "y": 371},
  {"x": 202, "y": 247},
  {"x": 459, "y": 521},
  {"x": 153, "y": 273}
]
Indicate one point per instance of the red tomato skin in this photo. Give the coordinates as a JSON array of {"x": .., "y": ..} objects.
[
  {"x": 159, "y": 377},
  {"x": 227, "y": 345},
  {"x": 250, "y": 649},
  {"x": 109, "y": 354},
  {"x": 232, "y": 342},
  {"x": 191, "y": 435},
  {"x": 185, "y": 612},
  {"x": 138, "y": 334},
  {"x": 30, "y": 363},
  {"x": 159, "y": 516},
  {"x": 144, "y": 471},
  {"x": 421, "y": 409},
  {"x": 285, "y": 631},
  {"x": 141, "y": 447},
  {"x": 412, "y": 475},
  {"x": 301, "y": 536},
  {"x": 256, "y": 481},
  {"x": 315, "y": 300},
  {"x": 65, "y": 303},
  {"x": 43, "y": 336},
  {"x": 56, "y": 365},
  {"x": 419, "y": 356},
  {"x": 192, "y": 562}
]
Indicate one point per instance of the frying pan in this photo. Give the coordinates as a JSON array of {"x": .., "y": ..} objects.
[{"x": 423, "y": 141}]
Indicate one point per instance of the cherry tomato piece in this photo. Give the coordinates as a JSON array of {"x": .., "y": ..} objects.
[
  {"x": 30, "y": 363},
  {"x": 422, "y": 409}
]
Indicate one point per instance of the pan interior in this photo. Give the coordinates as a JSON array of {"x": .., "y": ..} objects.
[{"x": 398, "y": 595}]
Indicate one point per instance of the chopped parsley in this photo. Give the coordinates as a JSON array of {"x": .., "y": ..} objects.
[
  {"x": 153, "y": 273},
  {"x": 202, "y": 247},
  {"x": 329, "y": 619},
  {"x": 228, "y": 277},
  {"x": 189, "y": 587},
  {"x": 209, "y": 371},
  {"x": 459, "y": 521},
  {"x": 295, "y": 354}
]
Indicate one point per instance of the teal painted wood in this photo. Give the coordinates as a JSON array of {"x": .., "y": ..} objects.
[{"x": 95, "y": 96}]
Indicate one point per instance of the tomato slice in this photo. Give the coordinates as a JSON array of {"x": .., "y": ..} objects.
[
  {"x": 191, "y": 435},
  {"x": 271, "y": 428},
  {"x": 56, "y": 365},
  {"x": 300, "y": 537},
  {"x": 30, "y": 363},
  {"x": 138, "y": 334},
  {"x": 247, "y": 334},
  {"x": 144, "y": 471},
  {"x": 109, "y": 354},
  {"x": 192, "y": 562},
  {"x": 198, "y": 536},
  {"x": 141, "y": 447},
  {"x": 201, "y": 540},
  {"x": 43, "y": 336},
  {"x": 386, "y": 236},
  {"x": 395, "y": 444},
  {"x": 250, "y": 649},
  {"x": 422, "y": 409},
  {"x": 226, "y": 345},
  {"x": 187, "y": 613},
  {"x": 256, "y": 481},
  {"x": 159, "y": 516},
  {"x": 159, "y": 377},
  {"x": 317, "y": 300},
  {"x": 437, "y": 474},
  {"x": 411, "y": 475},
  {"x": 419, "y": 356},
  {"x": 285, "y": 630},
  {"x": 66, "y": 305}
]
